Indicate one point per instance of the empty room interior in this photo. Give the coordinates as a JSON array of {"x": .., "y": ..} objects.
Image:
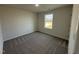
[{"x": 38, "y": 29}]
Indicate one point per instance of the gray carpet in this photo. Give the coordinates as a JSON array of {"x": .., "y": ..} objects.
[{"x": 35, "y": 43}]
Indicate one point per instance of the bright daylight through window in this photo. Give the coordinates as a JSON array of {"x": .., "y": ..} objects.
[{"x": 48, "y": 21}]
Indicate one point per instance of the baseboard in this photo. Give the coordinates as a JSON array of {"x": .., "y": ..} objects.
[
  {"x": 33, "y": 32},
  {"x": 52, "y": 35},
  {"x": 19, "y": 36}
]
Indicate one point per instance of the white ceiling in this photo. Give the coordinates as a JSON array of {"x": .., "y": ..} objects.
[{"x": 40, "y": 8}]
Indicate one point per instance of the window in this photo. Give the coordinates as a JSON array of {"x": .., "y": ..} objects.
[{"x": 48, "y": 21}]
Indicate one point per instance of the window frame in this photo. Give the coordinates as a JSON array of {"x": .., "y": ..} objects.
[{"x": 49, "y": 20}]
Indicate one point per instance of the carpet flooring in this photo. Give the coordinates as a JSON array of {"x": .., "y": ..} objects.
[{"x": 36, "y": 43}]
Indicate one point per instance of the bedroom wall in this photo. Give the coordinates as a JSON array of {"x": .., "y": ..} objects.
[
  {"x": 74, "y": 31},
  {"x": 1, "y": 38},
  {"x": 61, "y": 22},
  {"x": 17, "y": 22}
]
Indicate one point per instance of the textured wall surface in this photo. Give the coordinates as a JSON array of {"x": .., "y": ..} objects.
[
  {"x": 17, "y": 22},
  {"x": 61, "y": 22}
]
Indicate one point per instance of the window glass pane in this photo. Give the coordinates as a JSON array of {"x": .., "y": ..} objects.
[{"x": 48, "y": 21}]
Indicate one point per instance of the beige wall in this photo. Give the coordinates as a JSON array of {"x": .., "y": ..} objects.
[
  {"x": 74, "y": 33},
  {"x": 1, "y": 38},
  {"x": 17, "y": 22},
  {"x": 77, "y": 42},
  {"x": 61, "y": 20}
]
